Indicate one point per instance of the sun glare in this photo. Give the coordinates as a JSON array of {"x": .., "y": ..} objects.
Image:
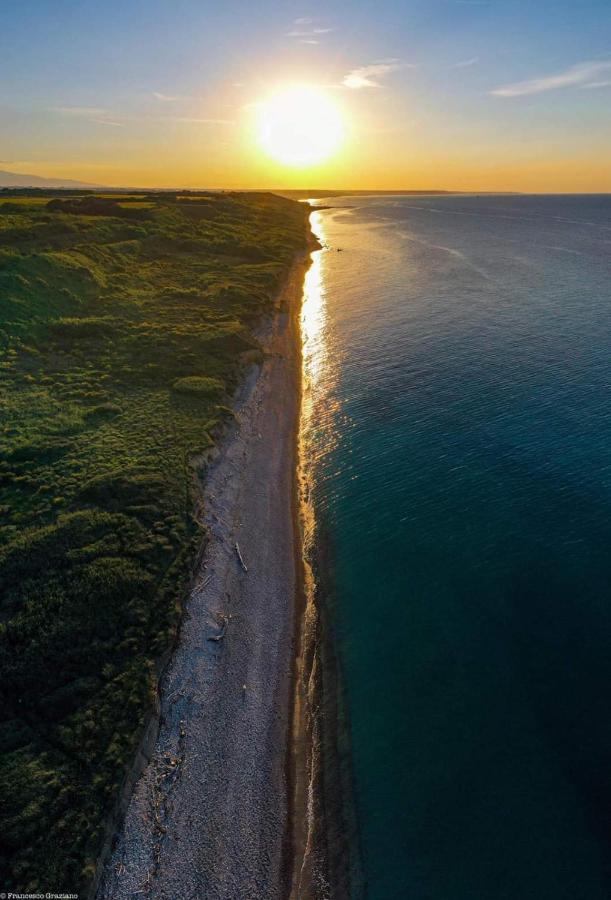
[{"x": 300, "y": 126}]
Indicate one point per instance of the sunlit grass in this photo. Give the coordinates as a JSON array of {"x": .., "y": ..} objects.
[{"x": 25, "y": 201}]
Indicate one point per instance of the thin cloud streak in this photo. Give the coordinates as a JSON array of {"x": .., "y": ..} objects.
[
  {"x": 306, "y": 32},
  {"x": 195, "y": 120},
  {"x": 595, "y": 84},
  {"x": 108, "y": 122},
  {"x": 576, "y": 75},
  {"x": 466, "y": 63},
  {"x": 96, "y": 114},
  {"x": 101, "y": 116},
  {"x": 367, "y": 76},
  {"x": 86, "y": 112},
  {"x": 173, "y": 98},
  {"x": 309, "y": 33}
]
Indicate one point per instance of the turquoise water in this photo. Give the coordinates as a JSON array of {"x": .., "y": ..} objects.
[{"x": 459, "y": 433}]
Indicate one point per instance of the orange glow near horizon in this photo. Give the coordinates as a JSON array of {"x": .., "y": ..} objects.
[
  {"x": 192, "y": 160},
  {"x": 342, "y": 145}
]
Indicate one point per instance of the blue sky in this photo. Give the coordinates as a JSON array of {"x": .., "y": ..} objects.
[{"x": 154, "y": 92}]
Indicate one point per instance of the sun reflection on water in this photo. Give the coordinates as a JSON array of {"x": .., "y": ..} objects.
[
  {"x": 314, "y": 361},
  {"x": 313, "y": 319}
]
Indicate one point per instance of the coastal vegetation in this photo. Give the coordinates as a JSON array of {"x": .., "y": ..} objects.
[{"x": 125, "y": 323}]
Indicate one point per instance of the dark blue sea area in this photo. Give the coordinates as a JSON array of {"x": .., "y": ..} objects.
[{"x": 458, "y": 397}]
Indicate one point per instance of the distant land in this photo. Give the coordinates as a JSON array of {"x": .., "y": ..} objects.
[
  {"x": 19, "y": 179},
  {"x": 23, "y": 180},
  {"x": 304, "y": 195}
]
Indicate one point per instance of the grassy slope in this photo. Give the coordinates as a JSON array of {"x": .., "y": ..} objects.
[{"x": 122, "y": 337}]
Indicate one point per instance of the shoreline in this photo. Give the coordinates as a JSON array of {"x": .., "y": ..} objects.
[
  {"x": 329, "y": 861},
  {"x": 213, "y": 812}
]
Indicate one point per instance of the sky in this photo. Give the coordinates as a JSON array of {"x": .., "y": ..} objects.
[{"x": 441, "y": 94}]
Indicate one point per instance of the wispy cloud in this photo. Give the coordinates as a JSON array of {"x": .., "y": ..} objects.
[
  {"x": 583, "y": 74},
  {"x": 174, "y": 98},
  {"x": 595, "y": 84},
  {"x": 306, "y": 31},
  {"x": 368, "y": 76},
  {"x": 197, "y": 120},
  {"x": 86, "y": 112},
  {"x": 111, "y": 122},
  {"x": 95, "y": 114},
  {"x": 310, "y": 31},
  {"x": 100, "y": 116},
  {"x": 465, "y": 63}
]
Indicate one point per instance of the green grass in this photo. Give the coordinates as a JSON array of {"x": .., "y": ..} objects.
[
  {"x": 25, "y": 201},
  {"x": 124, "y": 329}
]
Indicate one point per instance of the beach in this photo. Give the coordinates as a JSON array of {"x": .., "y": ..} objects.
[{"x": 211, "y": 813}]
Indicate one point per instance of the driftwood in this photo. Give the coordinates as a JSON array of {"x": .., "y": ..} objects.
[
  {"x": 221, "y": 634},
  {"x": 242, "y": 563}
]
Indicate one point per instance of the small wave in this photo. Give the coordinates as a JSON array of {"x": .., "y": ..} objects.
[{"x": 451, "y": 251}]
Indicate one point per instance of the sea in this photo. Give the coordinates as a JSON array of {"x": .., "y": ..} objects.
[{"x": 457, "y": 438}]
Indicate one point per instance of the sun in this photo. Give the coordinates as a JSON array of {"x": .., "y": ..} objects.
[{"x": 299, "y": 126}]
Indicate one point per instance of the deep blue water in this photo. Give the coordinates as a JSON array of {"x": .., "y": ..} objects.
[{"x": 459, "y": 429}]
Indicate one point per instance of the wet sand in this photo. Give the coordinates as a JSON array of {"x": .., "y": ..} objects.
[{"x": 211, "y": 815}]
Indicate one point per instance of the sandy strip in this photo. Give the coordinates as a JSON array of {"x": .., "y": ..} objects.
[{"x": 209, "y": 818}]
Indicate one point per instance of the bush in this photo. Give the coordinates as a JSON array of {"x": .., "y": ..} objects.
[
  {"x": 103, "y": 411},
  {"x": 199, "y": 386}
]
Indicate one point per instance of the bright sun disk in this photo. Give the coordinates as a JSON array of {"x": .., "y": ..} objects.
[{"x": 299, "y": 126}]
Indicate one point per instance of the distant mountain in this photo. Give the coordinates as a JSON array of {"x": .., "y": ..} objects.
[{"x": 18, "y": 179}]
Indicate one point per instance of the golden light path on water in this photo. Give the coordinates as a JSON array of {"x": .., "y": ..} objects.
[
  {"x": 319, "y": 359},
  {"x": 314, "y": 355},
  {"x": 313, "y": 320}
]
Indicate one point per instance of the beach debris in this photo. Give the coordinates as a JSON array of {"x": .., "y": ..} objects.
[
  {"x": 239, "y": 555},
  {"x": 223, "y": 622},
  {"x": 221, "y": 520},
  {"x": 148, "y": 878}
]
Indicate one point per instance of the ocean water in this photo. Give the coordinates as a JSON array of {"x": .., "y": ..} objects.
[{"x": 458, "y": 435}]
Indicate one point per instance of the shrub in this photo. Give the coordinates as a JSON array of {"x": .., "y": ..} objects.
[
  {"x": 199, "y": 386},
  {"x": 103, "y": 411}
]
